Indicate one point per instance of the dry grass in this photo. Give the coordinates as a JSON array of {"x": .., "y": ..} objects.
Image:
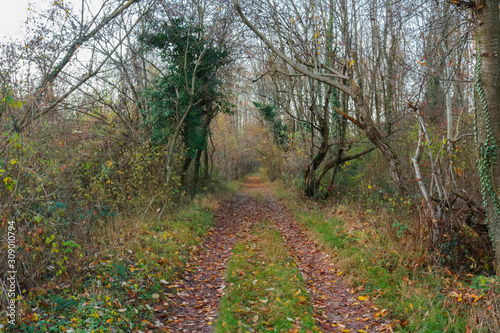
[{"x": 385, "y": 254}]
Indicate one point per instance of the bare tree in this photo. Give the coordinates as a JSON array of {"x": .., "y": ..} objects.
[
  {"x": 58, "y": 53},
  {"x": 319, "y": 71}
]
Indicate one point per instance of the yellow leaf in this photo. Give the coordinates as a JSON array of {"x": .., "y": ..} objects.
[
  {"x": 362, "y": 298},
  {"x": 339, "y": 273},
  {"x": 476, "y": 297}
]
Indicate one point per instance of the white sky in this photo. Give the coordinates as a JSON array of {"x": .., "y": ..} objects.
[
  {"x": 14, "y": 14},
  {"x": 12, "y": 18}
]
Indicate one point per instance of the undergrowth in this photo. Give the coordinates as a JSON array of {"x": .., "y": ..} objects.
[
  {"x": 386, "y": 262},
  {"x": 121, "y": 286}
]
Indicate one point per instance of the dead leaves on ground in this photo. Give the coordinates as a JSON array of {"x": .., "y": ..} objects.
[{"x": 195, "y": 299}]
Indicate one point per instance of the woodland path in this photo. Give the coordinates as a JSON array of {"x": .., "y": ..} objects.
[{"x": 193, "y": 308}]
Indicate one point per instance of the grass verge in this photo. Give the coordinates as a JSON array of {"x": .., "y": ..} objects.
[
  {"x": 122, "y": 287},
  {"x": 389, "y": 266},
  {"x": 266, "y": 290}
]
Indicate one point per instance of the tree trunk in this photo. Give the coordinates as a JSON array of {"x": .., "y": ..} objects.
[
  {"x": 487, "y": 113},
  {"x": 340, "y": 151},
  {"x": 197, "y": 164},
  {"x": 185, "y": 168},
  {"x": 206, "y": 166},
  {"x": 310, "y": 176}
]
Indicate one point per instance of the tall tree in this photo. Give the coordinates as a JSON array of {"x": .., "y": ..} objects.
[
  {"x": 487, "y": 112},
  {"x": 316, "y": 69},
  {"x": 183, "y": 102}
]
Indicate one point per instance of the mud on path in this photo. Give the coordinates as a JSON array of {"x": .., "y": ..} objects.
[{"x": 194, "y": 307}]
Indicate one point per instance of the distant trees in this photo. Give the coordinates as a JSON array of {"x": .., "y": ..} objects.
[
  {"x": 401, "y": 74},
  {"x": 277, "y": 127},
  {"x": 299, "y": 41}
]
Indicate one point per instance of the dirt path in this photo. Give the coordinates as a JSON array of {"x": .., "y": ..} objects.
[
  {"x": 194, "y": 307},
  {"x": 336, "y": 307}
]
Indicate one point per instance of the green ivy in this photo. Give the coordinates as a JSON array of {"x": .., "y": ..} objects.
[
  {"x": 181, "y": 44},
  {"x": 486, "y": 151}
]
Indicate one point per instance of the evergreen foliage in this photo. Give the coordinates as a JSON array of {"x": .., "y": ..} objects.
[
  {"x": 278, "y": 129},
  {"x": 190, "y": 85}
]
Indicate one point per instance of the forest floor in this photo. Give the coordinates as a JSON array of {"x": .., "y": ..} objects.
[
  {"x": 255, "y": 257},
  {"x": 259, "y": 270}
]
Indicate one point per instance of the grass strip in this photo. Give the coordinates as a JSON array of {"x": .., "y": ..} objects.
[
  {"x": 266, "y": 290},
  {"x": 414, "y": 298}
]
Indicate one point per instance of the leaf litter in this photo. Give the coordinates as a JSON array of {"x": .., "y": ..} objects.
[{"x": 193, "y": 301}]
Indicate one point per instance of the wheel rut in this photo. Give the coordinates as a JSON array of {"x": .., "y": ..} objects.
[{"x": 194, "y": 299}]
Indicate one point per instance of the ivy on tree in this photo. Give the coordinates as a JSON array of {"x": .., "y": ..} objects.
[
  {"x": 278, "y": 129},
  {"x": 184, "y": 100}
]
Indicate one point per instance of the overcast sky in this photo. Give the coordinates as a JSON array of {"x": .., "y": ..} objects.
[{"x": 14, "y": 14}]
